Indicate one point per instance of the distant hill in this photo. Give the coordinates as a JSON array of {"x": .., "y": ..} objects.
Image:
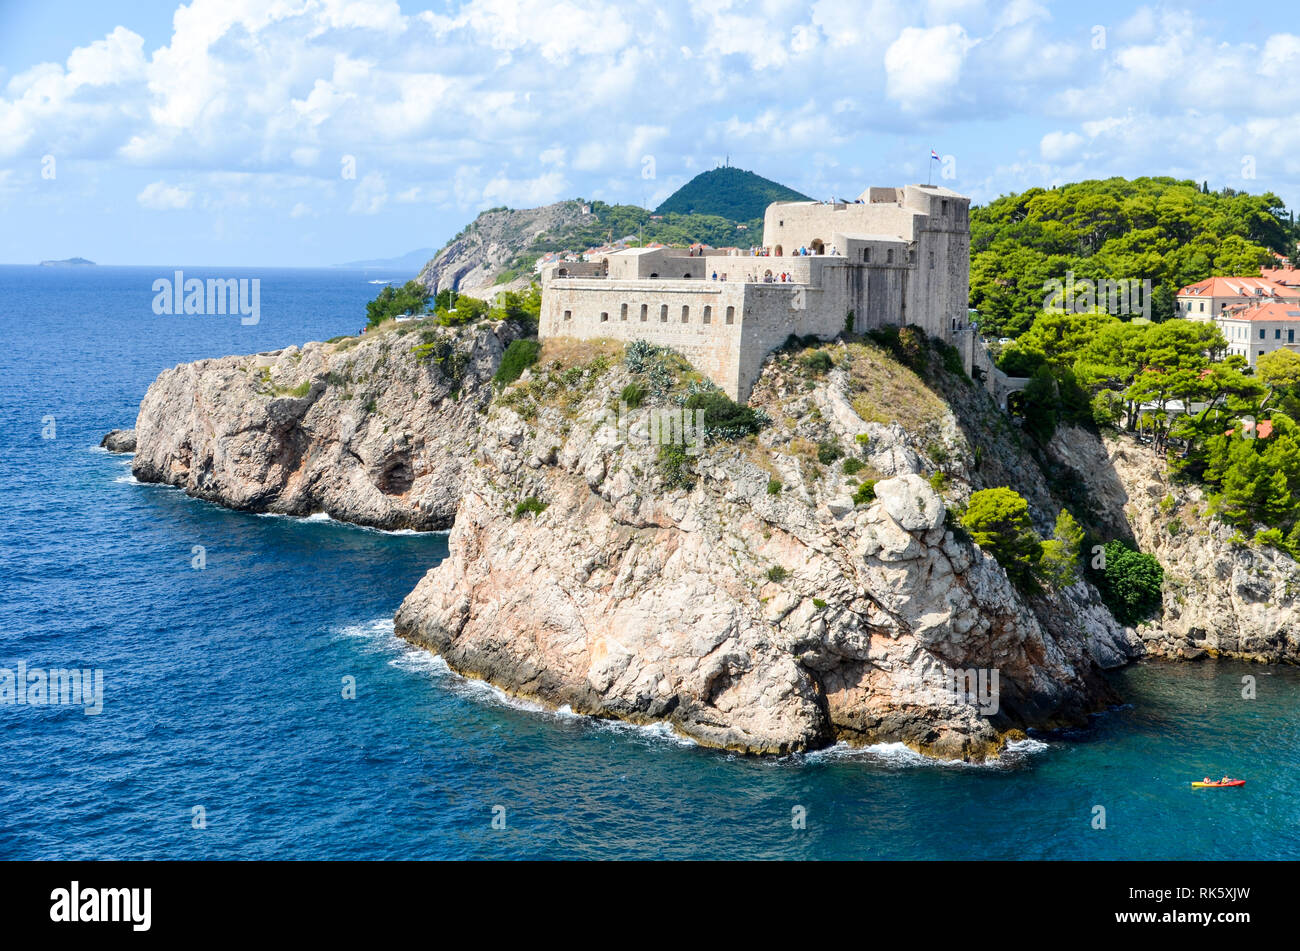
[
  {"x": 499, "y": 248},
  {"x": 731, "y": 193},
  {"x": 69, "y": 262},
  {"x": 410, "y": 261}
]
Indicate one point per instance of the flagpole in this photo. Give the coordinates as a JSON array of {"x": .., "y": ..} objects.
[{"x": 929, "y": 168}]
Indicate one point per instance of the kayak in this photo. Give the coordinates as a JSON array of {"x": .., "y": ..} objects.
[{"x": 1231, "y": 782}]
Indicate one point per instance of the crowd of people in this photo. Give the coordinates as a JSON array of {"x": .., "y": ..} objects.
[{"x": 801, "y": 251}]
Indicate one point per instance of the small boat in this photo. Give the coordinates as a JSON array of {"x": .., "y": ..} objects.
[{"x": 1230, "y": 782}]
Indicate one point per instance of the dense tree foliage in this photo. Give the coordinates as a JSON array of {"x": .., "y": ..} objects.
[
  {"x": 998, "y": 521},
  {"x": 615, "y": 222},
  {"x": 451, "y": 309},
  {"x": 1166, "y": 383},
  {"x": 1164, "y": 230},
  {"x": 411, "y": 298},
  {"x": 1129, "y": 581}
]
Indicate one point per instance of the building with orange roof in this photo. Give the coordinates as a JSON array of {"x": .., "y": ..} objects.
[
  {"x": 1259, "y": 327},
  {"x": 1206, "y": 299},
  {"x": 1287, "y": 276}
]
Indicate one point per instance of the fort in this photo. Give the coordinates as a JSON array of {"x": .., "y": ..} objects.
[{"x": 894, "y": 256}]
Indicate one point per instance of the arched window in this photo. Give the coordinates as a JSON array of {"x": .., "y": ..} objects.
[
  {"x": 731, "y": 315},
  {"x": 686, "y": 313},
  {"x": 686, "y": 277},
  {"x": 568, "y": 315},
  {"x": 663, "y": 313},
  {"x": 708, "y": 314},
  {"x": 645, "y": 312},
  {"x": 622, "y": 314},
  {"x": 817, "y": 247}
]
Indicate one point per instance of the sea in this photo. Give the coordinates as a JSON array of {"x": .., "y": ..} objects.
[{"x": 255, "y": 703}]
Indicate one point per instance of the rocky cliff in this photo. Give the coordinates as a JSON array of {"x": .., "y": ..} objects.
[
  {"x": 755, "y": 595},
  {"x": 473, "y": 260},
  {"x": 1222, "y": 595},
  {"x": 374, "y": 430},
  {"x": 742, "y": 595}
]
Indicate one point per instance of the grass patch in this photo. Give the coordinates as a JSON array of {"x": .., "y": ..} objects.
[
  {"x": 884, "y": 391},
  {"x": 633, "y": 395},
  {"x": 817, "y": 362},
  {"x": 561, "y": 353},
  {"x": 297, "y": 392},
  {"x": 519, "y": 356}
]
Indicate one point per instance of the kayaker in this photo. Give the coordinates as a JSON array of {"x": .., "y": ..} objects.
[{"x": 1206, "y": 780}]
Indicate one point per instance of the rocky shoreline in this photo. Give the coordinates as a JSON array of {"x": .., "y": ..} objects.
[
  {"x": 755, "y": 606},
  {"x": 373, "y": 430}
]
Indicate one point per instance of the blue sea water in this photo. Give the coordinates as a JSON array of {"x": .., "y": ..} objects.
[{"x": 223, "y": 686}]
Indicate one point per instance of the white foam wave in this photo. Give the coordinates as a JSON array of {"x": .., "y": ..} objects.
[
  {"x": 326, "y": 517},
  {"x": 901, "y": 756},
  {"x": 412, "y": 659}
]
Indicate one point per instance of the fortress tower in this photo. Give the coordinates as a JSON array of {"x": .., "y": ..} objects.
[{"x": 894, "y": 256}]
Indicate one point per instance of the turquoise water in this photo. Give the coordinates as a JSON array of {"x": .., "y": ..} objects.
[{"x": 223, "y": 685}]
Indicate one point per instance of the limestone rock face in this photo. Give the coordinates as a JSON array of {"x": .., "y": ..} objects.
[
  {"x": 373, "y": 430},
  {"x": 748, "y": 619},
  {"x": 472, "y": 261},
  {"x": 1222, "y": 595},
  {"x": 119, "y": 440}
]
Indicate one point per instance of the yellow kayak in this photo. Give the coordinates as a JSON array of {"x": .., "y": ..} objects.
[{"x": 1231, "y": 782}]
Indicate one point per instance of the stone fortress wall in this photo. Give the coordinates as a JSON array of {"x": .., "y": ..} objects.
[{"x": 901, "y": 256}]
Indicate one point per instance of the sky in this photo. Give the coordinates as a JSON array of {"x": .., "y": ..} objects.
[{"x": 314, "y": 132}]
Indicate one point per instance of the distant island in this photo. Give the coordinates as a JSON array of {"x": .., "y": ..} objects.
[{"x": 70, "y": 262}]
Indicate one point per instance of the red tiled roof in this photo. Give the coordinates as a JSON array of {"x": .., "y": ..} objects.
[
  {"x": 1289, "y": 276},
  {"x": 1236, "y": 287},
  {"x": 1263, "y": 310}
]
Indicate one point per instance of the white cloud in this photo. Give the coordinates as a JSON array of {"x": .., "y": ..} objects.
[
  {"x": 1056, "y": 146},
  {"x": 521, "y": 101},
  {"x": 159, "y": 196},
  {"x": 923, "y": 65},
  {"x": 370, "y": 195}
]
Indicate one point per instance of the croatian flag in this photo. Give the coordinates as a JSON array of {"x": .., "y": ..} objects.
[{"x": 934, "y": 155}]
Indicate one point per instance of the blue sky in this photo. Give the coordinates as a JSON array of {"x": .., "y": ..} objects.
[{"x": 309, "y": 132}]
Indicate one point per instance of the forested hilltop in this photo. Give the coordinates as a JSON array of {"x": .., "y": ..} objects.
[
  {"x": 1165, "y": 230},
  {"x": 729, "y": 192}
]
